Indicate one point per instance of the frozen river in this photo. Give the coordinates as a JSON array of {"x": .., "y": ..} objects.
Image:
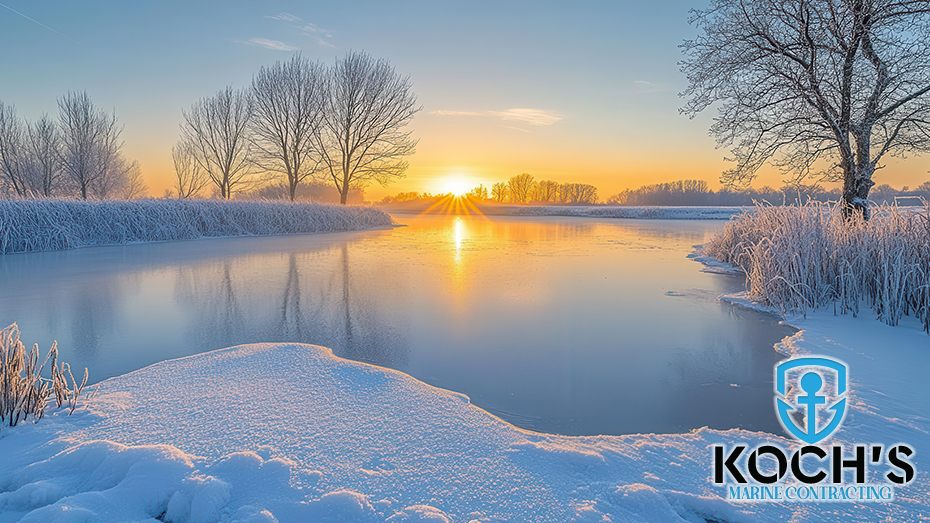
[{"x": 565, "y": 325}]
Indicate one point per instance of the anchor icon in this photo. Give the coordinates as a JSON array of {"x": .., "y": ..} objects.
[{"x": 811, "y": 383}]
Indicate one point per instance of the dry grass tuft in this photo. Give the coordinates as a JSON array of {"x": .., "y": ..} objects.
[
  {"x": 808, "y": 257},
  {"x": 23, "y": 390}
]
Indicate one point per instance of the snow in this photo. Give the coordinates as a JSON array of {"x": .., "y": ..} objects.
[
  {"x": 50, "y": 225},
  {"x": 289, "y": 432}
]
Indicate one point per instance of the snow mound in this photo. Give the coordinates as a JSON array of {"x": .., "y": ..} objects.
[{"x": 291, "y": 433}]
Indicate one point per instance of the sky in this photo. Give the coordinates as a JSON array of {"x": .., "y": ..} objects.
[{"x": 581, "y": 92}]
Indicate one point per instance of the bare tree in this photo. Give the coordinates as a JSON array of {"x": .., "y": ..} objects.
[
  {"x": 288, "y": 100},
  {"x": 479, "y": 193},
  {"x": 521, "y": 187},
  {"x": 44, "y": 146},
  {"x": 190, "y": 178},
  {"x": 13, "y": 157},
  {"x": 547, "y": 191},
  {"x": 813, "y": 82},
  {"x": 361, "y": 138},
  {"x": 577, "y": 193},
  {"x": 215, "y": 129},
  {"x": 499, "y": 192},
  {"x": 134, "y": 185},
  {"x": 90, "y": 144}
]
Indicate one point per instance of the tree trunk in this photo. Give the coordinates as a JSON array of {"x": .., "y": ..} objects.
[{"x": 856, "y": 189}]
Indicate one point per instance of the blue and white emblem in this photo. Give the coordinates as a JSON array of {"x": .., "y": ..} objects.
[{"x": 809, "y": 377}]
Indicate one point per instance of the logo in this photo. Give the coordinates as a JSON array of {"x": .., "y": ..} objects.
[
  {"x": 817, "y": 371},
  {"x": 810, "y": 403}
]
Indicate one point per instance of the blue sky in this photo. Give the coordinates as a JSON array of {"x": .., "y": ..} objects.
[{"x": 580, "y": 92}]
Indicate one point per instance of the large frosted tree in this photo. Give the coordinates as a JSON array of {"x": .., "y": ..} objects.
[{"x": 822, "y": 88}]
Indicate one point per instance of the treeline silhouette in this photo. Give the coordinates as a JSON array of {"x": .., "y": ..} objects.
[
  {"x": 697, "y": 193},
  {"x": 522, "y": 188}
]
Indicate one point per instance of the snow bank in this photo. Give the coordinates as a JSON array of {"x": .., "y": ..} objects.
[
  {"x": 289, "y": 432},
  {"x": 49, "y": 225}
]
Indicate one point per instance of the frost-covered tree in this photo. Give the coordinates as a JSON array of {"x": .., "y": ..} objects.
[
  {"x": 43, "y": 142},
  {"x": 13, "y": 157},
  {"x": 134, "y": 186},
  {"x": 216, "y": 131},
  {"x": 824, "y": 88},
  {"x": 288, "y": 101},
  {"x": 90, "y": 144},
  {"x": 190, "y": 178},
  {"x": 362, "y": 138}
]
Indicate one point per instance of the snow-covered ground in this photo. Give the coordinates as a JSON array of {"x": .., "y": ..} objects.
[{"x": 292, "y": 433}]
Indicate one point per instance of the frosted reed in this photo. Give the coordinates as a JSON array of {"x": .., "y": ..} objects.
[
  {"x": 50, "y": 225},
  {"x": 808, "y": 257}
]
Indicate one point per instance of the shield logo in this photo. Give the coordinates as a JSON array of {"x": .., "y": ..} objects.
[{"x": 818, "y": 385}]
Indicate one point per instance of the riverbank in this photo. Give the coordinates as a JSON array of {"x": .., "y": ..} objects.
[
  {"x": 289, "y": 432},
  {"x": 464, "y": 206},
  {"x": 53, "y": 225}
]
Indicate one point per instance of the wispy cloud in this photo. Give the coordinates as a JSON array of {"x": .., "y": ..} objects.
[
  {"x": 517, "y": 129},
  {"x": 39, "y": 23},
  {"x": 537, "y": 117},
  {"x": 457, "y": 113},
  {"x": 315, "y": 29},
  {"x": 318, "y": 33},
  {"x": 643, "y": 86},
  {"x": 272, "y": 44},
  {"x": 285, "y": 17},
  {"x": 530, "y": 116},
  {"x": 315, "y": 32}
]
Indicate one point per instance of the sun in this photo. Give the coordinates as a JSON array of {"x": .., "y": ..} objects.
[{"x": 456, "y": 186}]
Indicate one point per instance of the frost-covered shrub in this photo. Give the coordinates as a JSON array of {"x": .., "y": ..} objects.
[
  {"x": 23, "y": 390},
  {"x": 50, "y": 225},
  {"x": 799, "y": 258}
]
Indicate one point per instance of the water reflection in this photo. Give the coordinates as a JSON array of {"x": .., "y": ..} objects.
[
  {"x": 265, "y": 299},
  {"x": 556, "y": 324}
]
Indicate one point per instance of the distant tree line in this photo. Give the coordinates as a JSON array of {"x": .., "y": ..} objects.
[
  {"x": 697, "y": 192},
  {"x": 299, "y": 121},
  {"x": 523, "y": 188},
  {"x": 79, "y": 154}
]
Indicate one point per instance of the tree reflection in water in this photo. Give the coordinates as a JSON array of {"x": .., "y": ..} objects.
[{"x": 316, "y": 302}]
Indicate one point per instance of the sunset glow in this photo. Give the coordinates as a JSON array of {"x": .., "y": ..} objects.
[
  {"x": 497, "y": 100},
  {"x": 456, "y": 187}
]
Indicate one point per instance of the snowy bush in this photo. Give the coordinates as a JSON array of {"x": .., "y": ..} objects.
[
  {"x": 48, "y": 225},
  {"x": 23, "y": 391},
  {"x": 807, "y": 257}
]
